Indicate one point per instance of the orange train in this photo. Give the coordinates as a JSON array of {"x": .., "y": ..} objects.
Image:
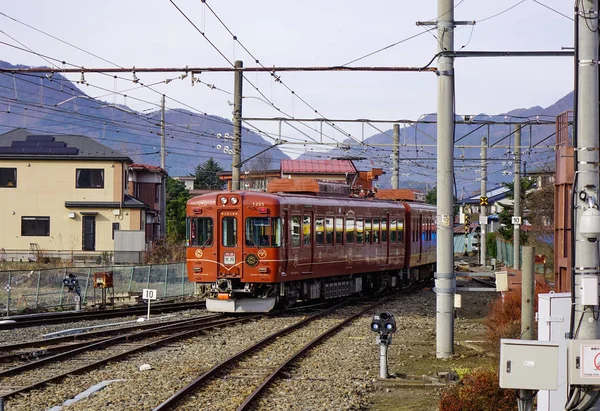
[{"x": 304, "y": 240}]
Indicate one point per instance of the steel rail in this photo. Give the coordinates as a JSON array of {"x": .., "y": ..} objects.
[{"x": 118, "y": 356}]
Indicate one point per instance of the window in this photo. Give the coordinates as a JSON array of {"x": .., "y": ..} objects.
[
  {"x": 368, "y": 228},
  {"x": 157, "y": 190},
  {"x": 384, "y": 230},
  {"x": 8, "y": 177},
  {"x": 229, "y": 231},
  {"x": 393, "y": 231},
  {"x": 375, "y": 230},
  {"x": 306, "y": 230},
  {"x": 90, "y": 178},
  {"x": 200, "y": 231},
  {"x": 263, "y": 232},
  {"x": 350, "y": 230},
  {"x": 329, "y": 230},
  {"x": 360, "y": 231},
  {"x": 295, "y": 231},
  {"x": 320, "y": 231},
  {"x": 339, "y": 230},
  {"x": 35, "y": 226},
  {"x": 115, "y": 227},
  {"x": 400, "y": 231}
]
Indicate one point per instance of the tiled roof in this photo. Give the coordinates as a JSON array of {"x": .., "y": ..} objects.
[
  {"x": 19, "y": 143},
  {"x": 147, "y": 167},
  {"x": 317, "y": 166}
]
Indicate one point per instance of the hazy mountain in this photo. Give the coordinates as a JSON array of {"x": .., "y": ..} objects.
[{"x": 52, "y": 104}]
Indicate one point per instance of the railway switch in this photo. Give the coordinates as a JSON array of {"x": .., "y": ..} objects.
[{"x": 385, "y": 325}]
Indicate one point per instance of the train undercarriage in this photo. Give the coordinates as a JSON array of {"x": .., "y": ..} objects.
[{"x": 232, "y": 296}]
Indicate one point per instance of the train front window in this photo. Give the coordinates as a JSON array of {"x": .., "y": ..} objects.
[
  {"x": 200, "y": 231},
  {"x": 263, "y": 232},
  {"x": 229, "y": 231}
]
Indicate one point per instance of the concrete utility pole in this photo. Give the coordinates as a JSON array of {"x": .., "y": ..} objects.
[
  {"x": 586, "y": 260},
  {"x": 395, "y": 148},
  {"x": 525, "y": 400},
  {"x": 163, "y": 163},
  {"x": 517, "y": 200},
  {"x": 445, "y": 283},
  {"x": 237, "y": 126},
  {"x": 483, "y": 208}
]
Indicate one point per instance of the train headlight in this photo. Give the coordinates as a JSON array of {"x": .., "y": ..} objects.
[
  {"x": 223, "y": 200},
  {"x": 234, "y": 200}
]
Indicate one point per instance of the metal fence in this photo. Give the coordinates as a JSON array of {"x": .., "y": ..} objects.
[
  {"x": 505, "y": 252},
  {"x": 36, "y": 289}
]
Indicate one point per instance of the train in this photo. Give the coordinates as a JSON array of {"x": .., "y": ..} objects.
[{"x": 302, "y": 240}]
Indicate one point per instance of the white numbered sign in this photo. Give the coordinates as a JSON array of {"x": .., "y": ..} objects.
[{"x": 149, "y": 294}]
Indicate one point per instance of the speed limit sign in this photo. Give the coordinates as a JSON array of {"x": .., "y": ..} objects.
[{"x": 149, "y": 294}]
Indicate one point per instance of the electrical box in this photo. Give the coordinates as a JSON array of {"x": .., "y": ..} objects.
[
  {"x": 588, "y": 290},
  {"x": 457, "y": 301},
  {"x": 117, "y": 211},
  {"x": 553, "y": 319},
  {"x": 583, "y": 362},
  {"x": 501, "y": 281},
  {"x": 528, "y": 364},
  {"x": 103, "y": 279}
]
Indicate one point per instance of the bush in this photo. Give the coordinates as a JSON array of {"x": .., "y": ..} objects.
[
  {"x": 166, "y": 250},
  {"x": 478, "y": 391}
]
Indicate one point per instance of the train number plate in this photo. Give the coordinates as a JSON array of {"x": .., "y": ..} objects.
[{"x": 229, "y": 258}]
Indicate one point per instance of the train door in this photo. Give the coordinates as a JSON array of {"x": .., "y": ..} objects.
[
  {"x": 227, "y": 242},
  {"x": 385, "y": 236},
  {"x": 306, "y": 252},
  {"x": 419, "y": 229}
]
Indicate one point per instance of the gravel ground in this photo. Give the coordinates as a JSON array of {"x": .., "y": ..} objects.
[{"x": 340, "y": 374}]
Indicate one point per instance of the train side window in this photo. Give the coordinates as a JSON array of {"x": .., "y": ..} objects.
[
  {"x": 306, "y": 230},
  {"x": 350, "y": 230},
  {"x": 384, "y": 230},
  {"x": 295, "y": 231},
  {"x": 329, "y": 230},
  {"x": 376, "y": 235},
  {"x": 393, "y": 231},
  {"x": 229, "y": 231},
  {"x": 360, "y": 231},
  {"x": 319, "y": 231},
  {"x": 263, "y": 231},
  {"x": 200, "y": 231},
  {"x": 339, "y": 231},
  {"x": 368, "y": 228},
  {"x": 400, "y": 230}
]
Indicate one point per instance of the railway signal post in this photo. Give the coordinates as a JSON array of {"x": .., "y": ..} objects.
[
  {"x": 148, "y": 294},
  {"x": 385, "y": 325}
]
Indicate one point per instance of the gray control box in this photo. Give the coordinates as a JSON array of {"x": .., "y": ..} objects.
[
  {"x": 583, "y": 362},
  {"x": 528, "y": 364}
]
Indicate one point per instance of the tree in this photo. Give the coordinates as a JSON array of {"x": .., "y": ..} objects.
[
  {"x": 177, "y": 196},
  {"x": 431, "y": 196},
  {"x": 256, "y": 173},
  {"x": 206, "y": 176}
]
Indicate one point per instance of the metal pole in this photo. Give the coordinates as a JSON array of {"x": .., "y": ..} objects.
[
  {"x": 8, "y": 287},
  {"x": 166, "y": 279},
  {"x": 445, "y": 282},
  {"x": 163, "y": 148},
  {"x": 37, "y": 290},
  {"x": 183, "y": 276},
  {"x": 525, "y": 400},
  {"x": 131, "y": 278},
  {"x": 483, "y": 208},
  {"x": 237, "y": 126},
  {"x": 383, "y": 369},
  {"x": 87, "y": 283},
  {"x": 395, "y": 165},
  {"x": 148, "y": 278},
  {"x": 586, "y": 259},
  {"x": 517, "y": 198}
]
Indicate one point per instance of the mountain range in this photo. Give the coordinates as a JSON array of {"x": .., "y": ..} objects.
[{"x": 50, "y": 104}]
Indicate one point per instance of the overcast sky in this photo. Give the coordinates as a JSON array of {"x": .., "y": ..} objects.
[{"x": 154, "y": 33}]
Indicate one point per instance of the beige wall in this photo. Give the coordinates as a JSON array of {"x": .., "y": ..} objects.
[{"x": 43, "y": 186}]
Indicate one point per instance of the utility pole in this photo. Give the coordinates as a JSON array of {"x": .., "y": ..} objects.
[
  {"x": 163, "y": 165},
  {"x": 517, "y": 199},
  {"x": 586, "y": 259},
  {"x": 395, "y": 148},
  {"x": 483, "y": 207},
  {"x": 237, "y": 126},
  {"x": 445, "y": 283},
  {"x": 525, "y": 400}
]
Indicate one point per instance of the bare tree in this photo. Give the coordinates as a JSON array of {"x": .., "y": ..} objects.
[{"x": 256, "y": 174}]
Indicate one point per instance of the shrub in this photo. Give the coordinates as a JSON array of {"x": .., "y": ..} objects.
[
  {"x": 166, "y": 250},
  {"x": 478, "y": 391}
]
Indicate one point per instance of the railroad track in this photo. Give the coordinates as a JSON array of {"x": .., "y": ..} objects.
[
  {"x": 51, "y": 369},
  {"x": 240, "y": 372},
  {"x": 32, "y": 320}
]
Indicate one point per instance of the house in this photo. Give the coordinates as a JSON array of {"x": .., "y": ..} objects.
[
  {"x": 471, "y": 206},
  {"x": 148, "y": 184},
  {"x": 66, "y": 195}
]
